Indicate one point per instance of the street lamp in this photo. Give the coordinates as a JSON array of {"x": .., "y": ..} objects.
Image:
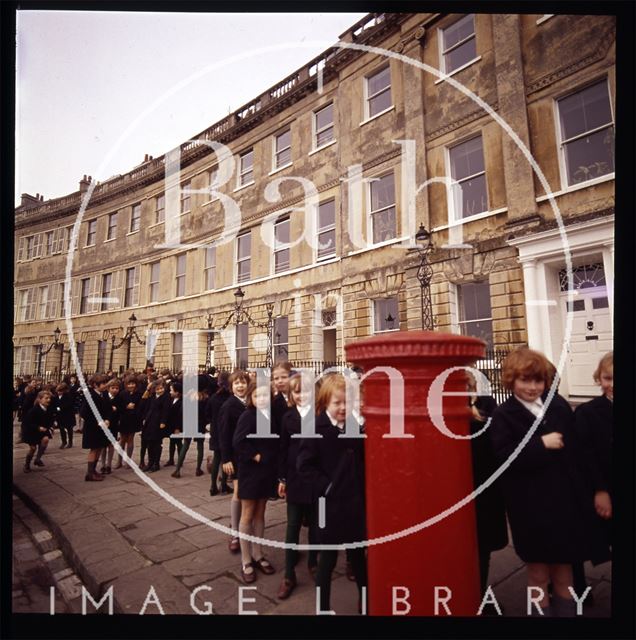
[
  {"x": 240, "y": 315},
  {"x": 208, "y": 352},
  {"x": 424, "y": 275},
  {"x": 128, "y": 336},
  {"x": 389, "y": 321},
  {"x": 55, "y": 344}
]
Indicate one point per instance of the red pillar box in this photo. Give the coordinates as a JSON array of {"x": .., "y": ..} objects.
[{"x": 410, "y": 480}]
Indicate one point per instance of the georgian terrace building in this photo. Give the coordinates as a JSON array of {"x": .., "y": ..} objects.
[{"x": 364, "y": 131}]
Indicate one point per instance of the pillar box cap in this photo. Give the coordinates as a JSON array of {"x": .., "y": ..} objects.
[{"x": 412, "y": 344}]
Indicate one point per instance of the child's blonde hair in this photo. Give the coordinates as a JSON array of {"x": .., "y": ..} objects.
[
  {"x": 295, "y": 386},
  {"x": 606, "y": 363}
]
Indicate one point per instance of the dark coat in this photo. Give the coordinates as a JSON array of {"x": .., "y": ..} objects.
[
  {"x": 298, "y": 490},
  {"x": 551, "y": 514},
  {"x": 93, "y": 436},
  {"x": 155, "y": 410},
  {"x": 594, "y": 424},
  {"x": 130, "y": 419},
  {"x": 279, "y": 409},
  {"x": 116, "y": 411},
  {"x": 63, "y": 410},
  {"x": 258, "y": 479},
  {"x": 78, "y": 396},
  {"x": 212, "y": 408},
  {"x": 492, "y": 529},
  {"x": 173, "y": 417},
  {"x": 28, "y": 402},
  {"x": 334, "y": 467},
  {"x": 35, "y": 418},
  {"x": 228, "y": 419}
]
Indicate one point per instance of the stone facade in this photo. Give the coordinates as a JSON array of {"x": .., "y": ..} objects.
[{"x": 537, "y": 60}]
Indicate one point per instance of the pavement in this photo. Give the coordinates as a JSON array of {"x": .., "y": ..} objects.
[{"x": 122, "y": 533}]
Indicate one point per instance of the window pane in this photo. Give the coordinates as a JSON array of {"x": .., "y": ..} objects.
[
  {"x": 591, "y": 156},
  {"x": 244, "y": 246},
  {"x": 326, "y": 214},
  {"x": 384, "y": 226},
  {"x": 461, "y": 29},
  {"x": 324, "y": 136},
  {"x": 379, "y": 81},
  {"x": 181, "y": 264},
  {"x": 467, "y": 159},
  {"x": 475, "y": 301},
  {"x": 281, "y": 232},
  {"x": 576, "y": 305},
  {"x": 379, "y": 103},
  {"x": 470, "y": 197},
  {"x": 461, "y": 55},
  {"x": 481, "y": 330},
  {"x": 283, "y": 157},
  {"x": 247, "y": 160},
  {"x": 281, "y": 260},
  {"x": 283, "y": 140},
  {"x": 386, "y": 314},
  {"x": 600, "y": 303},
  {"x": 244, "y": 271},
  {"x": 324, "y": 117},
  {"x": 586, "y": 110},
  {"x": 382, "y": 192},
  {"x": 154, "y": 271},
  {"x": 326, "y": 243}
]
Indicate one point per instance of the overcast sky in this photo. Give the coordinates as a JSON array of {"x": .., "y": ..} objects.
[{"x": 83, "y": 78}]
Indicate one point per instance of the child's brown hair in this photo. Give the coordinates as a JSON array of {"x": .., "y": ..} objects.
[
  {"x": 331, "y": 383},
  {"x": 239, "y": 374},
  {"x": 529, "y": 363},
  {"x": 295, "y": 385}
]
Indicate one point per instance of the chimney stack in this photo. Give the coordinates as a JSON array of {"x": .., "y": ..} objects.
[
  {"x": 28, "y": 201},
  {"x": 84, "y": 183}
]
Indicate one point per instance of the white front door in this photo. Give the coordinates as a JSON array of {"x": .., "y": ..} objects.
[{"x": 591, "y": 334}]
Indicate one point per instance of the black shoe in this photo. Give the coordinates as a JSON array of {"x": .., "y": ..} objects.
[
  {"x": 63, "y": 445},
  {"x": 226, "y": 489},
  {"x": 170, "y": 463},
  {"x": 214, "y": 492},
  {"x": 198, "y": 472},
  {"x": 27, "y": 468},
  {"x": 38, "y": 463}
]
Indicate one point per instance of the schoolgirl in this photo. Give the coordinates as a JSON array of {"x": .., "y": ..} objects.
[
  {"x": 64, "y": 414},
  {"x": 112, "y": 395},
  {"x": 152, "y": 430},
  {"x": 550, "y": 512},
  {"x": 93, "y": 437},
  {"x": 201, "y": 399},
  {"x": 280, "y": 390},
  {"x": 229, "y": 416},
  {"x": 334, "y": 466},
  {"x": 291, "y": 486},
  {"x": 75, "y": 389},
  {"x": 257, "y": 460},
  {"x": 172, "y": 421},
  {"x": 212, "y": 409},
  {"x": 594, "y": 426},
  {"x": 130, "y": 419},
  {"x": 37, "y": 429}
]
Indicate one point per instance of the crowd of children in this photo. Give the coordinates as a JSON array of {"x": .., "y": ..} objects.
[{"x": 556, "y": 491}]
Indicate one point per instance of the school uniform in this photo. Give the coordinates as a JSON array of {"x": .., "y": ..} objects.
[
  {"x": 550, "y": 512},
  {"x": 258, "y": 479},
  {"x": 174, "y": 423},
  {"x": 64, "y": 413},
  {"x": 279, "y": 409},
  {"x": 151, "y": 430},
  {"x": 298, "y": 491},
  {"x": 334, "y": 467},
  {"x": 212, "y": 409},
  {"x": 93, "y": 437},
  {"x": 490, "y": 510},
  {"x": 229, "y": 416},
  {"x": 117, "y": 409},
  {"x": 186, "y": 442},
  {"x": 37, "y": 417},
  {"x": 130, "y": 419}
]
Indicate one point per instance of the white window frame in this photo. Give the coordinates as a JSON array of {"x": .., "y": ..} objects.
[
  {"x": 153, "y": 289},
  {"x": 209, "y": 270},
  {"x": 282, "y": 219},
  {"x": 396, "y": 320},
  {"x": 111, "y": 229},
  {"x": 49, "y": 243},
  {"x": 133, "y": 273},
  {"x": 316, "y": 131},
  {"x": 43, "y": 299},
  {"x": 177, "y": 351},
  {"x": 443, "y": 51},
  {"x": 106, "y": 305},
  {"x": 238, "y": 260},
  {"x": 27, "y": 305},
  {"x": 180, "y": 277},
  {"x": 134, "y": 228},
  {"x": 91, "y": 235},
  {"x": 241, "y": 172},
  {"x": 277, "y": 152},
  {"x": 368, "y": 97},
  {"x": 245, "y": 348},
  {"x": 371, "y": 212},
  {"x": 84, "y": 294},
  {"x": 277, "y": 345},
  {"x": 319, "y": 230},
  {"x": 160, "y": 211},
  {"x": 185, "y": 197},
  {"x": 450, "y": 194},
  {"x": 457, "y": 311},
  {"x": 565, "y": 186}
]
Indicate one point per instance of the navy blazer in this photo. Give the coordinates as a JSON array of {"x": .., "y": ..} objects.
[
  {"x": 228, "y": 419},
  {"x": 298, "y": 490},
  {"x": 212, "y": 408}
]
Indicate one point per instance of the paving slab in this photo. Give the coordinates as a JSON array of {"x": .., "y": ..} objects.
[
  {"x": 149, "y": 528},
  {"x": 164, "y": 547},
  {"x": 128, "y": 515}
]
